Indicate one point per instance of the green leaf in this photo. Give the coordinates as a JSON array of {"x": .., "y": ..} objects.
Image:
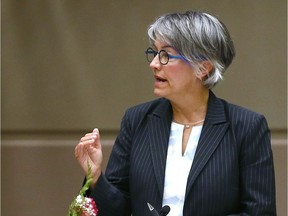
[
  {"x": 75, "y": 210},
  {"x": 88, "y": 182}
]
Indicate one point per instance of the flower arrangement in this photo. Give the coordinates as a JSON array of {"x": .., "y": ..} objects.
[{"x": 81, "y": 205}]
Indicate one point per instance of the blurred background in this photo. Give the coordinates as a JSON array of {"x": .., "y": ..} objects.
[{"x": 71, "y": 66}]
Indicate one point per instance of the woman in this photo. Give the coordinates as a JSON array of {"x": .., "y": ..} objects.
[{"x": 188, "y": 149}]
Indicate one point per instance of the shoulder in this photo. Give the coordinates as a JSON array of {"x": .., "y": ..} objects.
[
  {"x": 220, "y": 110},
  {"x": 235, "y": 108},
  {"x": 235, "y": 111},
  {"x": 138, "y": 115},
  {"x": 151, "y": 107},
  {"x": 242, "y": 117}
]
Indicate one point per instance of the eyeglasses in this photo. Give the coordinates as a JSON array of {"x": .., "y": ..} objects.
[{"x": 162, "y": 54}]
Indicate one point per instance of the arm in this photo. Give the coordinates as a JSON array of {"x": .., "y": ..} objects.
[
  {"x": 257, "y": 171},
  {"x": 110, "y": 191}
]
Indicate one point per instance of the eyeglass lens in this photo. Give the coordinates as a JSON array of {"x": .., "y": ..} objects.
[{"x": 162, "y": 54}]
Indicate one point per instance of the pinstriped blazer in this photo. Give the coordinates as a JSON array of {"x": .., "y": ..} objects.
[{"x": 232, "y": 172}]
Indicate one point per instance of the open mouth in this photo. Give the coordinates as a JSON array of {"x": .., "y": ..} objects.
[{"x": 159, "y": 79}]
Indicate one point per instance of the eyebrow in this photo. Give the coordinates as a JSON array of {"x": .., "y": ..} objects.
[
  {"x": 164, "y": 47},
  {"x": 167, "y": 46}
]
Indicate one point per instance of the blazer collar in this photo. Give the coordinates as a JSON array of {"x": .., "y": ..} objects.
[
  {"x": 213, "y": 130},
  {"x": 215, "y": 111},
  {"x": 159, "y": 130}
]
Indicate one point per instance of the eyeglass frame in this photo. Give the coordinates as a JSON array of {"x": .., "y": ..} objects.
[{"x": 152, "y": 51}]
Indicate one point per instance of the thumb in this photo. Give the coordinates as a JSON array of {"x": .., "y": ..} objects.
[{"x": 97, "y": 140}]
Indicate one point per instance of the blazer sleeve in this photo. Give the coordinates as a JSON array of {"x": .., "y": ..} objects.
[
  {"x": 257, "y": 170},
  {"x": 111, "y": 192}
]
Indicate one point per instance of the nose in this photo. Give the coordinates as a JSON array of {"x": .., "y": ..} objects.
[{"x": 155, "y": 63}]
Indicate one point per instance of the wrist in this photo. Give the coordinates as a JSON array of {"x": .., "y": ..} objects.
[{"x": 96, "y": 176}]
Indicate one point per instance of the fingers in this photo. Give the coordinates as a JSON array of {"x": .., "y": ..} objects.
[
  {"x": 89, "y": 140},
  {"x": 89, "y": 149},
  {"x": 96, "y": 135},
  {"x": 79, "y": 151},
  {"x": 91, "y": 137}
]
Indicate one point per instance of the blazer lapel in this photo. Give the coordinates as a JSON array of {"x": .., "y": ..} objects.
[
  {"x": 213, "y": 130},
  {"x": 159, "y": 124}
]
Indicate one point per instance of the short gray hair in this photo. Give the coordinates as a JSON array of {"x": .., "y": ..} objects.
[{"x": 197, "y": 37}]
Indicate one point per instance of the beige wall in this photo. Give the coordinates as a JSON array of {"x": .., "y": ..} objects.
[
  {"x": 40, "y": 177},
  {"x": 70, "y": 66}
]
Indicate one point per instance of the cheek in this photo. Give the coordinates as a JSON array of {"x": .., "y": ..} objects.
[
  {"x": 185, "y": 75},
  {"x": 181, "y": 81},
  {"x": 180, "y": 74}
]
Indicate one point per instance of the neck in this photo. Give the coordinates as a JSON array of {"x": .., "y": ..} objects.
[
  {"x": 187, "y": 111},
  {"x": 191, "y": 124}
]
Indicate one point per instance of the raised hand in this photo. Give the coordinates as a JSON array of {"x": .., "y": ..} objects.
[{"x": 89, "y": 150}]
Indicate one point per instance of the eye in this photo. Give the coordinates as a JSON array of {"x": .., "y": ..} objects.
[
  {"x": 150, "y": 54},
  {"x": 164, "y": 56}
]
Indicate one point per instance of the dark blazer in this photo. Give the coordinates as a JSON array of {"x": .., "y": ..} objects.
[{"x": 232, "y": 172}]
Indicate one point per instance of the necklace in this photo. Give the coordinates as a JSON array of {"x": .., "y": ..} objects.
[{"x": 188, "y": 125}]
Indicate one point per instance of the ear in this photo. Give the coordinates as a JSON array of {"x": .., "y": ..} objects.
[{"x": 205, "y": 68}]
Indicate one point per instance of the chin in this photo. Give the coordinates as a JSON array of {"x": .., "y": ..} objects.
[{"x": 158, "y": 93}]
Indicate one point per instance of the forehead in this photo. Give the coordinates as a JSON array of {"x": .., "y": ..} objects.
[{"x": 160, "y": 45}]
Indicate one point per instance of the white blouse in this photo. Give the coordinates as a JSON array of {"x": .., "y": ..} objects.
[{"x": 178, "y": 167}]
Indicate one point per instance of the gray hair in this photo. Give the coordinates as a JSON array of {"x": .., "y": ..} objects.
[{"x": 197, "y": 37}]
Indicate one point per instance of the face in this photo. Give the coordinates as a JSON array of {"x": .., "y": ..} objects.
[{"x": 174, "y": 80}]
